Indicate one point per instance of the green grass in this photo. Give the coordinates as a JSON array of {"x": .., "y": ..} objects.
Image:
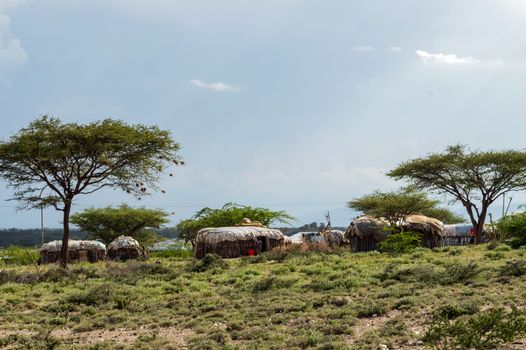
[{"x": 274, "y": 301}]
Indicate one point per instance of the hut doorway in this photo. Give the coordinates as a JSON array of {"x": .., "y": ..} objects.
[
  {"x": 264, "y": 243},
  {"x": 83, "y": 255}
]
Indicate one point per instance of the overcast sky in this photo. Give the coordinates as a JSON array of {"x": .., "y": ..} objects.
[{"x": 295, "y": 105}]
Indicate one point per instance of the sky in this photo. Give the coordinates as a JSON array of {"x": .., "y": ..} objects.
[{"x": 294, "y": 105}]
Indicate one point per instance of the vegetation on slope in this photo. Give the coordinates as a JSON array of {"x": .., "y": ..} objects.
[{"x": 294, "y": 300}]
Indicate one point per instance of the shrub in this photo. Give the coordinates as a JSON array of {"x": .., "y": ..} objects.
[
  {"x": 480, "y": 331},
  {"x": 513, "y": 228},
  {"x": 370, "y": 309},
  {"x": 399, "y": 243},
  {"x": 209, "y": 262},
  {"x": 18, "y": 256},
  {"x": 514, "y": 268},
  {"x": 461, "y": 273}
]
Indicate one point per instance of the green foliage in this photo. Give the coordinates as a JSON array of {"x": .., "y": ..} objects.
[
  {"x": 18, "y": 256},
  {"x": 474, "y": 178},
  {"x": 400, "y": 243},
  {"x": 514, "y": 268},
  {"x": 309, "y": 299},
  {"x": 49, "y": 162},
  {"x": 209, "y": 262},
  {"x": 230, "y": 214},
  {"x": 108, "y": 223},
  {"x": 395, "y": 206},
  {"x": 480, "y": 331},
  {"x": 513, "y": 229},
  {"x": 444, "y": 215}
]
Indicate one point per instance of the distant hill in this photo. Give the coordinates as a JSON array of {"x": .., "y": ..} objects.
[{"x": 31, "y": 237}]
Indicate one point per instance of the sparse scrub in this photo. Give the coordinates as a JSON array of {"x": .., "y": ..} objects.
[
  {"x": 514, "y": 268},
  {"x": 479, "y": 331}
]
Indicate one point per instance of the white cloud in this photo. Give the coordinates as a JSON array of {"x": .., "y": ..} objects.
[
  {"x": 219, "y": 86},
  {"x": 395, "y": 49},
  {"x": 12, "y": 54},
  {"x": 445, "y": 58},
  {"x": 363, "y": 48}
]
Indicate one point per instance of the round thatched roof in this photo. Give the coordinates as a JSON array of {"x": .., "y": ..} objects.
[
  {"x": 236, "y": 233},
  {"x": 423, "y": 224},
  {"x": 124, "y": 242},
  {"x": 335, "y": 236},
  {"x": 366, "y": 226},
  {"x": 56, "y": 246}
]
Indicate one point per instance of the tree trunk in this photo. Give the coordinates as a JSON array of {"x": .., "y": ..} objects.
[
  {"x": 64, "y": 253},
  {"x": 480, "y": 225}
]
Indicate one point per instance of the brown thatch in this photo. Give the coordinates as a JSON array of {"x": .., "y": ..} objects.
[
  {"x": 430, "y": 228},
  {"x": 124, "y": 248},
  {"x": 335, "y": 237},
  {"x": 236, "y": 241},
  {"x": 365, "y": 232},
  {"x": 89, "y": 251}
]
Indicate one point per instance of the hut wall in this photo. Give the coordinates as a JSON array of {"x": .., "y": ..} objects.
[
  {"x": 430, "y": 240},
  {"x": 73, "y": 256},
  {"x": 232, "y": 249},
  {"x": 123, "y": 254},
  {"x": 365, "y": 244}
]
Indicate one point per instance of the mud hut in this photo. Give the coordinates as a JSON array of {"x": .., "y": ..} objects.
[
  {"x": 335, "y": 237},
  {"x": 364, "y": 233},
  {"x": 89, "y": 251},
  {"x": 430, "y": 228},
  {"x": 236, "y": 241},
  {"x": 124, "y": 248}
]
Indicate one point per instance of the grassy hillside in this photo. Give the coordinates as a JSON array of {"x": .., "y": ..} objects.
[{"x": 273, "y": 301}]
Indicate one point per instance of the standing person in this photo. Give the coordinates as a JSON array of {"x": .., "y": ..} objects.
[{"x": 259, "y": 246}]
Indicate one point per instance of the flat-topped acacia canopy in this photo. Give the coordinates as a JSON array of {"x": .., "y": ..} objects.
[{"x": 50, "y": 162}]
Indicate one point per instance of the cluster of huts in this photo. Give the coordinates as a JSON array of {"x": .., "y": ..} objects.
[
  {"x": 122, "y": 248},
  {"x": 363, "y": 234},
  {"x": 251, "y": 238}
]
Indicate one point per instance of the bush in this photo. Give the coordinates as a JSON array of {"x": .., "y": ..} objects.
[
  {"x": 399, "y": 243},
  {"x": 513, "y": 229},
  {"x": 514, "y": 268},
  {"x": 480, "y": 331},
  {"x": 209, "y": 262},
  {"x": 461, "y": 273},
  {"x": 19, "y": 256}
]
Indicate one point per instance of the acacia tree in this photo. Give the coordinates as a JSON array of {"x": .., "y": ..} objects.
[
  {"x": 50, "y": 163},
  {"x": 395, "y": 206},
  {"x": 230, "y": 214},
  {"x": 108, "y": 223},
  {"x": 474, "y": 178}
]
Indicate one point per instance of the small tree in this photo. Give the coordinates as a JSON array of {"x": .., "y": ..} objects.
[
  {"x": 108, "y": 223},
  {"x": 50, "y": 163},
  {"x": 474, "y": 178},
  {"x": 395, "y": 206},
  {"x": 230, "y": 214}
]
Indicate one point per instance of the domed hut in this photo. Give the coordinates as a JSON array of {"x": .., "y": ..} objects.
[
  {"x": 236, "y": 241},
  {"x": 124, "y": 248},
  {"x": 365, "y": 232},
  {"x": 89, "y": 251},
  {"x": 431, "y": 229},
  {"x": 334, "y": 237}
]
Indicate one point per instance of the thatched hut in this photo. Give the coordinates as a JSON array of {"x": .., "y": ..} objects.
[
  {"x": 236, "y": 241},
  {"x": 89, "y": 251},
  {"x": 365, "y": 232},
  {"x": 335, "y": 237},
  {"x": 124, "y": 248},
  {"x": 430, "y": 228}
]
